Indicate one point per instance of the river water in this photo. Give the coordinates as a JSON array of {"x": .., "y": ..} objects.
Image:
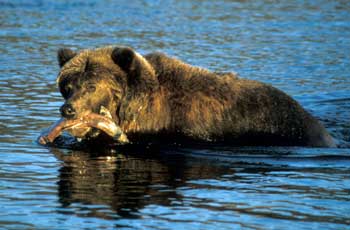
[{"x": 301, "y": 47}]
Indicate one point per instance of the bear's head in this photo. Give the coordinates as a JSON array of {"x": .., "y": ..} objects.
[{"x": 100, "y": 81}]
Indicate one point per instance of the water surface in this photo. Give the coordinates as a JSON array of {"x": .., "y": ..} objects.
[{"x": 301, "y": 47}]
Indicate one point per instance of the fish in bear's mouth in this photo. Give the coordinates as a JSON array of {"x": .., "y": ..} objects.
[{"x": 87, "y": 125}]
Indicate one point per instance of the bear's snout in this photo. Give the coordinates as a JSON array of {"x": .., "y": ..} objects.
[{"x": 67, "y": 111}]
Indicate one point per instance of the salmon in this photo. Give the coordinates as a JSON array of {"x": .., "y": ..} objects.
[{"x": 92, "y": 120}]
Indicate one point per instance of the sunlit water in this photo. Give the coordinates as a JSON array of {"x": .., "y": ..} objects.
[{"x": 301, "y": 47}]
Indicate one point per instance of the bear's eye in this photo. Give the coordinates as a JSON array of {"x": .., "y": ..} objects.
[{"x": 91, "y": 88}]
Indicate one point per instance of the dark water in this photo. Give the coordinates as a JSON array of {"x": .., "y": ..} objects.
[{"x": 301, "y": 47}]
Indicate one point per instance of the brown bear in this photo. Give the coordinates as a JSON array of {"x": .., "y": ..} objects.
[{"x": 159, "y": 99}]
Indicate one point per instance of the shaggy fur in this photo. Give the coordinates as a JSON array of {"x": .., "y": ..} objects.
[{"x": 159, "y": 98}]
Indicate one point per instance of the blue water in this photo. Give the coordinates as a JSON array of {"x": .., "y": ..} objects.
[{"x": 301, "y": 47}]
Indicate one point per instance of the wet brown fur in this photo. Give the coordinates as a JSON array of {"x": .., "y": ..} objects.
[{"x": 156, "y": 97}]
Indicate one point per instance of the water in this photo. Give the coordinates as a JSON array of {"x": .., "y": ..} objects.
[{"x": 301, "y": 47}]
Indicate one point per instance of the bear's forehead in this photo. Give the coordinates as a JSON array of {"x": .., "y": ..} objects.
[{"x": 97, "y": 57}]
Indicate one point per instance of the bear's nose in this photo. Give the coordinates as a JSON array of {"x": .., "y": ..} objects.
[{"x": 67, "y": 111}]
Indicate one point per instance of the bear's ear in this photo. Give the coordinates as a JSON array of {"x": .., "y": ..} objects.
[
  {"x": 64, "y": 55},
  {"x": 140, "y": 73},
  {"x": 123, "y": 57}
]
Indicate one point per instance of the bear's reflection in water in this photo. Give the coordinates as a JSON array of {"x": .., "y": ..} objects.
[{"x": 89, "y": 184}]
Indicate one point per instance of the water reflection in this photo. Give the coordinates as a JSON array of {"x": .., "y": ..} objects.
[
  {"x": 259, "y": 185},
  {"x": 125, "y": 182}
]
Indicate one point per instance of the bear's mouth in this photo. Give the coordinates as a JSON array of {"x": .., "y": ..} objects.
[{"x": 87, "y": 126}]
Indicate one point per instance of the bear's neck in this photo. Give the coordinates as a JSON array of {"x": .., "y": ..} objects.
[{"x": 145, "y": 113}]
